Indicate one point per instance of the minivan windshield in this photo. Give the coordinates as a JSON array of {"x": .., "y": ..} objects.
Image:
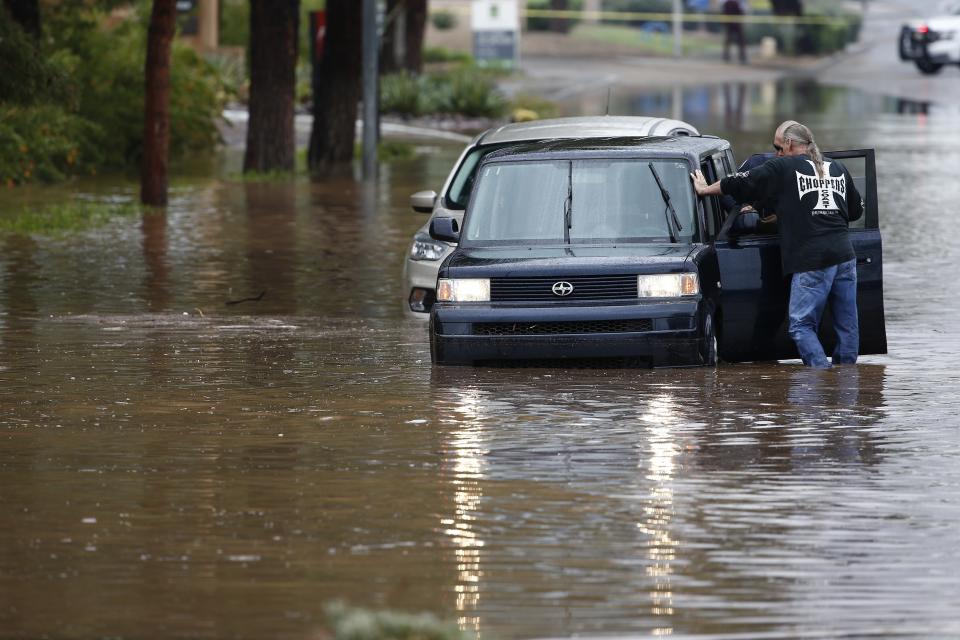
[{"x": 580, "y": 201}]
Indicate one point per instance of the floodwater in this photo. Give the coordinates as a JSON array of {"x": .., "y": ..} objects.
[{"x": 175, "y": 466}]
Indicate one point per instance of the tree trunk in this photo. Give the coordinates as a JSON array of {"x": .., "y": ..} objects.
[
  {"x": 335, "y": 105},
  {"x": 273, "y": 64},
  {"x": 156, "y": 123},
  {"x": 416, "y": 27},
  {"x": 26, "y": 13}
]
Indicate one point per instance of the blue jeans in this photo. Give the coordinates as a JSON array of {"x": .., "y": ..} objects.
[{"x": 809, "y": 293}]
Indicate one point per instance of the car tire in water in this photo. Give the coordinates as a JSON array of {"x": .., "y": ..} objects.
[
  {"x": 928, "y": 67},
  {"x": 903, "y": 48}
]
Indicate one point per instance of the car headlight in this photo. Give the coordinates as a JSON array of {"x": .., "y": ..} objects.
[
  {"x": 668, "y": 285},
  {"x": 426, "y": 248},
  {"x": 463, "y": 290}
]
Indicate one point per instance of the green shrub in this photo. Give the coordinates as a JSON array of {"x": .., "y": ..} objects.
[
  {"x": 404, "y": 93},
  {"x": 442, "y": 54},
  {"x": 464, "y": 91},
  {"x": 45, "y": 143},
  {"x": 473, "y": 93},
  {"x": 27, "y": 76},
  {"x": 537, "y": 23},
  {"x": 109, "y": 66},
  {"x": 443, "y": 20},
  {"x": 811, "y": 39}
]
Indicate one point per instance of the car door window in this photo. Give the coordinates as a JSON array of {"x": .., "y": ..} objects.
[
  {"x": 714, "y": 213},
  {"x": 857, "y": 166}
]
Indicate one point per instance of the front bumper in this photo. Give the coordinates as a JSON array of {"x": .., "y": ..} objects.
[
  {"x": 670, "y": 333},
  {"x": 421, "y": 275}
]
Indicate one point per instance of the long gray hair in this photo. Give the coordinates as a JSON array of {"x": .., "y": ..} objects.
[{"x": 802, "y": 135}]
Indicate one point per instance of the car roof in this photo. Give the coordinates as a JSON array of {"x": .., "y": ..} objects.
[
  {"x": 586, "y": 127},
  {"x": 668, "y": 146}
]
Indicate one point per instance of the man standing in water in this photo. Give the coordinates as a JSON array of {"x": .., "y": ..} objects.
[
  {"x": 735, "y": 33},
  {"x": 815, "y": 201}
]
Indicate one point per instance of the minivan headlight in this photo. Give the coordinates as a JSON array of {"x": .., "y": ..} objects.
[
  {"x": 667, "y": 285},
  {"x": 426, "y": 248},
  {"x": 463, "y": 290}
]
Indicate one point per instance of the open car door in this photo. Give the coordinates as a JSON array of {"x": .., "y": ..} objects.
[{"x": 754, "y": 292}]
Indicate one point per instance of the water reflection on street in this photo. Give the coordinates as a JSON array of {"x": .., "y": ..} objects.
[{"x": 216, "y": 420}]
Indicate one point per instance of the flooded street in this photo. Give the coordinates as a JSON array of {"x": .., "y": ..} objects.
[{"x": 183, "y": 457}]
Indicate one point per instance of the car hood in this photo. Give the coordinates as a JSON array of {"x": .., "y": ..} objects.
[{"x": 506, "y": 262}]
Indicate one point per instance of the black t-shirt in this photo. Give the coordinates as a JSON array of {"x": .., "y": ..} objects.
[{"x": 812, "y": 213}]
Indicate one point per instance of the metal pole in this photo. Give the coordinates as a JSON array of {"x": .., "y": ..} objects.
[
  {"x": 370, "y": 99},
  {"x": 677, "y": 28}
]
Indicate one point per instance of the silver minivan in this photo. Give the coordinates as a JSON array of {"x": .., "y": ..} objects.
[{"x": 425, "y": 255}]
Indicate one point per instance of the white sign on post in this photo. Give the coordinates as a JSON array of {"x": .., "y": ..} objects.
[{"x": 496, "y": 31}]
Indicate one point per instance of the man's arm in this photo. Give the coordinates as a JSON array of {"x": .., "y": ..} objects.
[{"x": 746, "y": 186}]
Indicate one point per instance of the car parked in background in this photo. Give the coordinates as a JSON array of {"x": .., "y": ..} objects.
[
  {"x": 425, "y": 254},
  {"x": 613, "y": 257},
  {"x": 932, "y": 43}
]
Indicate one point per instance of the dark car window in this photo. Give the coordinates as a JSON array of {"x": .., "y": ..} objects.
[
  {"x": 458, "y": 195},
  {"x": 611, "y": 200},
  {"x": 858, "y": 171}
]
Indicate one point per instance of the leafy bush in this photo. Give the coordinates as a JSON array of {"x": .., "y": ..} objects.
[
  {"x": 637, "y": 6},
  {"x": 465, "y": 91},
  {"x": 404, "y": 93},
  {"x": 537, "y": 23},
  {"x": 441, "y": 54},
  {"x": 108, "y": 66},
  {"x": 27, "y": 76},
  {"x": 811, "y": 39},
  {"x": 75, "y": 101},
  {"x": 443, "y": 20},
  {"x": 45, "y": 143},
  {"x": 474, "y": 93}
]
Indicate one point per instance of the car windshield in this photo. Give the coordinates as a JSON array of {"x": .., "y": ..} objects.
[{"x": 609, "y": 200}]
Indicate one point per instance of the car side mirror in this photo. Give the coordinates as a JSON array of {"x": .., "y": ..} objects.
[
  {"x": 445, "y": 229},
  {"x": 423, "y": 201}
]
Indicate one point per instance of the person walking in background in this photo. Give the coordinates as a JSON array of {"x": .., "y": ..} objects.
[
  {"x": 815, "y": 202},
  {"x": 735, "y": 31}
]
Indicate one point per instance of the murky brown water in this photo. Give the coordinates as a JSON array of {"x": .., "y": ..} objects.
[{"x": 173, "y": 466}]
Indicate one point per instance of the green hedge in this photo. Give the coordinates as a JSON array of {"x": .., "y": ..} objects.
[
  {"x": 466, "y": 91},
  {"x": 45, "y": 143},
  {"x": 73, "y": 103}
]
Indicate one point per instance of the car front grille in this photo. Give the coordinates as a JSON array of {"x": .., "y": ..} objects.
[
  {"x": 562, "y": 327},
  {"x": 584, "y": 288}
]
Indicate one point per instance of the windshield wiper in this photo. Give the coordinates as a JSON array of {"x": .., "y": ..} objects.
[
  {"x": 568, "y": 206},
  {"x": 669, "y": 212}
]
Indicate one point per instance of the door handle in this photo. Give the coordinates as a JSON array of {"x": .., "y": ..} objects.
[{"x": 867, "y": 260}]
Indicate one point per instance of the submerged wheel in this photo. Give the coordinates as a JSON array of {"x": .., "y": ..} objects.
[{"x": 928, "y": 67}]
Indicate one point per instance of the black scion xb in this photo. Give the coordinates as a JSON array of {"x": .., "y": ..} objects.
[{"x": 590, "y": 249}]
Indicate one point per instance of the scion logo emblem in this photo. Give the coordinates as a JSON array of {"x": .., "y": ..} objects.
[{"x": 562, "y": 288}]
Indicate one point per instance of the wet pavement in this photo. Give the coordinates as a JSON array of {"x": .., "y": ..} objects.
[{"x": 175, "y": 466}]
